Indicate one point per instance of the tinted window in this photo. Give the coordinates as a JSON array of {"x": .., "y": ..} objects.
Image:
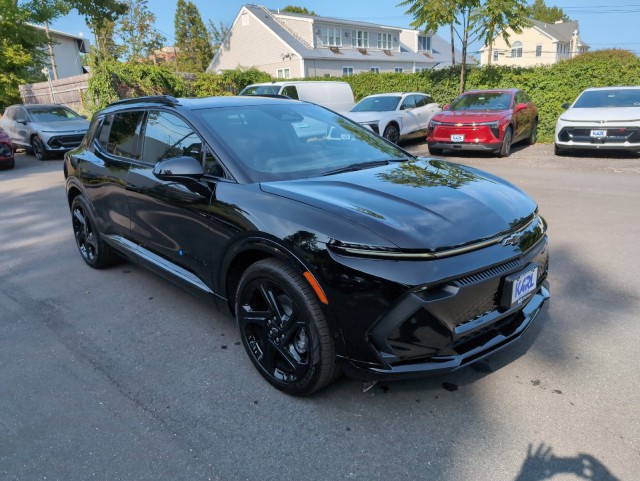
[
  {"x": 421, "y": 100},
  {"x": 124, "y": 135},
  {"x": 290, "y": 91},
  {"x": 166, "y": 136}
]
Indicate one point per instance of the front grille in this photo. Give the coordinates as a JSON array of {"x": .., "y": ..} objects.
[
  {"x": 488, "y": 274},
  {"x": 615, "y": 135},
  {"x": 65, "y": 141}
]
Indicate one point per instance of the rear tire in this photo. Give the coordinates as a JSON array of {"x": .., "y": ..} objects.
[
  {"x": 283, "y": 328},
  {"x": 94, "y": 251},
  {"x": 533, "y": 137}
]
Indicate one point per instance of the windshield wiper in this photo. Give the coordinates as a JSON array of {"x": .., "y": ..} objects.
[{"x": 362, "y": 166}]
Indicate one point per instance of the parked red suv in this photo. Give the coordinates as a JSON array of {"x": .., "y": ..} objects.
[
  {"x": 6, "y": 151},
  {"x": 485, "y": 120}
]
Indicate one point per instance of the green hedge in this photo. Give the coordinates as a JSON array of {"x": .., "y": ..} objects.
[{"x": 548, "y": 86}]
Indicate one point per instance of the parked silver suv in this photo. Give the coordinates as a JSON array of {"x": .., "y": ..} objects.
[{"x": 45, "y": 129}]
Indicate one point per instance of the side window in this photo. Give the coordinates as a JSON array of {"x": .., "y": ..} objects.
[
  {"x": 421, "y": 100},
  {"x": 124, "y": 138},
  {"x": 20, "y": 115},
  {"x": 409, "y": 103},
  {"x": 102, "y": 135},
  {"x": 9, "y": 113},
  {"x": 166, "y": 136},
  {"x": 211, "y": 164},
  {"x": 290, "y": 91}
]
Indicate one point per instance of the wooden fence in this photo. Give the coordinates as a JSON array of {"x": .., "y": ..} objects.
[{"x": 67, "y": 91}]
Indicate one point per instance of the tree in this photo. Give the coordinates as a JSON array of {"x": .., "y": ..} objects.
[
  {"x": 301, "y": 10},
  {"x": 138, "y": 38},
  {"x": 217, "y": 34},
  {"x": 539, "y": 10},
  {"x": 472, "y": 19},
  {"x": 194, "y": 51}
]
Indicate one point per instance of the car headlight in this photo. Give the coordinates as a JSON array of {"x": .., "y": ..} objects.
[
  {"x": 433, "y": 123},
  {"x": 373, "y": 125}
]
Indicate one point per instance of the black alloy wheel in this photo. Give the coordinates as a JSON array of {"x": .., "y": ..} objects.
[
  {"x": 392, "y": 133},
  {"x": 38, "y": 148},
  {"x": 533, "y": 137},
  {"x": 94, "y": 251},
  {"x": 283, "y": 328},
  {"x": 505, "y": 149}
]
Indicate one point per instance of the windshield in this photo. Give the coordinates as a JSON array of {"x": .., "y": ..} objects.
[
  {"x": 261, "y": 90},
  {"x": 377, "y": 104},
  {"x": 294, "y": 141},
  {"x": 608, "y": 98},
  {"x": 52, "y": 114},
  {"x": 482, "y": 101}
]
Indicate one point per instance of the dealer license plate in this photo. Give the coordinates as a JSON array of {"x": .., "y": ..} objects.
[
  {"x": 523, "y": 285},
  {"x": 598, "y": 133},
  {"x": 457, "y": 138}
]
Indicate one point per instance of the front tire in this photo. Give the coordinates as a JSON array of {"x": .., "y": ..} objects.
[
  {"x": 38, "y": 148},
  {"x": 505, "y": 149},
  {"x": 94, "y": 251},
  {"x": 283, "y": 328},
  {"x": 435, "y": 150},
  {"x": 392, "y": 133}
]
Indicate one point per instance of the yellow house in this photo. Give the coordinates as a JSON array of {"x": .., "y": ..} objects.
[{"x": 541, "y": 43}]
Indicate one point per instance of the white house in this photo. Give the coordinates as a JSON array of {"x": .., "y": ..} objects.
[
  {"x": 540, "y": 44},
  {"x": 290, "y": 45},
  {"x": 66, "y": 53}
]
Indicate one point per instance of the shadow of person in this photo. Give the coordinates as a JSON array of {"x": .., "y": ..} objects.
[{"x": 542, "y": 464}]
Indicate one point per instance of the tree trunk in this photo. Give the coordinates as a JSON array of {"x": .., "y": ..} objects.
[
  {"x": 490, "y": 53},
  {"x": 453, "y": 49}
]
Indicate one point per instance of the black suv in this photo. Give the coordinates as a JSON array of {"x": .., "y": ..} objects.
[{"x": 334, "y": 249}]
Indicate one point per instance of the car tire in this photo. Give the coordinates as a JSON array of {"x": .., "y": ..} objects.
[
  {"x": 283, "y": 328},
  {"x": 94, "y": 251},
  {"x": 533, "y": 137},
  {"x": 505, "y": 148},
  {"x": 392, "y": 133},
  {"x": 435, "y": 150},
  {"x": 38, "y": 148}
]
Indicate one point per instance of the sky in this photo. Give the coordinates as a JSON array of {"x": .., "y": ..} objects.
[{"x": 603, "y": 24}]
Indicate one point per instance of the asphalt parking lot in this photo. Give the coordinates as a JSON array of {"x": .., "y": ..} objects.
[{"x": 119, "y": 375}]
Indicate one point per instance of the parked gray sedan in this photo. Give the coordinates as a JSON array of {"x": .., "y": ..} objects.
[{"x": 45, "y": 129}]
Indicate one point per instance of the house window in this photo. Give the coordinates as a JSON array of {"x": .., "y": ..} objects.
[
  {"x": 516, "y": 50},
  {"x": 384, "y": 41},
  {"x": 283, "y": 73},
  {"x": 399, "y": 70},
  {"x": 424, "y": 43},
  {"x": 347, "y": 71},
  {"x": 538, "y": 50},
  {"x": 331, "y": 36},
  {"x": 375, "y": 69},
  {"x": 495, "y": 55},
  {"x": 359, "y": 39}
]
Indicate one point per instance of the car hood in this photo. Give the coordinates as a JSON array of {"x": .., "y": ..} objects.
[
  {"x": 611, "y": 114},
  {"x": 425, "y": 204},
  {"x": 470, "y": 116},
  {"x": 362, "y": 117},
  {"x": 80, "y": 125}
]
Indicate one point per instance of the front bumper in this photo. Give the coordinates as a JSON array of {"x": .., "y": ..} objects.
[
  {"x": 617, "y": 137},
  {"x": 62, "y": 142},
  {"x": 475, "y": 146},
  {"x": 443, "y": 327}
]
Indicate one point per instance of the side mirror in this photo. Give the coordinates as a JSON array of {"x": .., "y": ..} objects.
[
  {"x": 521, "y": 106},
  {"x": 566, "y": 105},
  {"x": 22, "y": 121},
  {"x": 178, "y": 167},
  {"x": 446, "y": 107}
]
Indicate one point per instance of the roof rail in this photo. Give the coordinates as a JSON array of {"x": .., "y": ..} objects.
[{"x": 161, "y": 99}]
